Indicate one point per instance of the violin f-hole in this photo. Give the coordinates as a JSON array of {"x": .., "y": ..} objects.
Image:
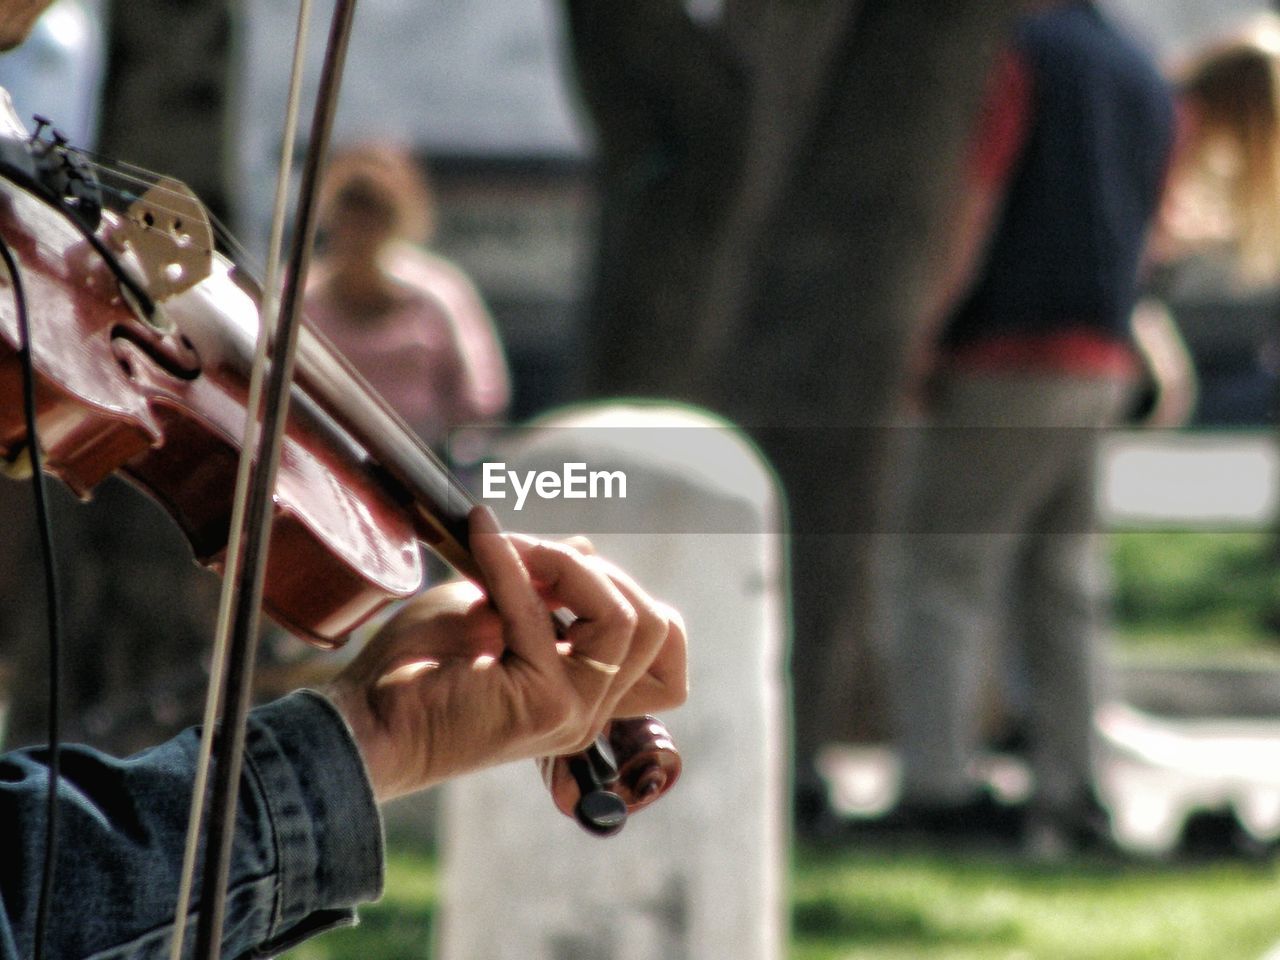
[{"x": 172, "y": 352}]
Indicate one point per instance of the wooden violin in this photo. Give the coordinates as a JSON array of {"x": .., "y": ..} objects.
[{"x": 142, "y": 336}]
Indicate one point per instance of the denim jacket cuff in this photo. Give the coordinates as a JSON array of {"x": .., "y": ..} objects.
[{"x": 327, "y": 828}]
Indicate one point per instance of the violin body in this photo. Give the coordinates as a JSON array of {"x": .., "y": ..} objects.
[{"x": 163, "y": 399}]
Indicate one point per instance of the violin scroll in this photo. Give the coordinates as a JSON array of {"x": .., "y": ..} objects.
[{"x": 49, "y": 167}]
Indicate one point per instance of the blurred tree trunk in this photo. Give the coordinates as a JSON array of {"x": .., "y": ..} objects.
[
  {"x": 165, "y": 98},
  {"x": 774, "y": 191}
]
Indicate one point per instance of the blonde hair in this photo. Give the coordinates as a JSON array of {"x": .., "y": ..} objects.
[
  {"x": 387, "y": 174},
  {"x": 1233, "y": 92}
]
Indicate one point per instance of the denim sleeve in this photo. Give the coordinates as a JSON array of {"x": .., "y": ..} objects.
[{"x": 308, "y": 843}]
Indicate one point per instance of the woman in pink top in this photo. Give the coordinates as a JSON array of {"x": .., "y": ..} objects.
[{"x": 411, "y": 322}]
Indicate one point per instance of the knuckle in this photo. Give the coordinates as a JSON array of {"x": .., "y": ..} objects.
[
  {"x": 675, "y": 624},
  {"x": 623, "y": 617},
  {"x": 560, "y": 551},
  {"x": 669, "y": 697},
  {"x": 655, "y": 624}
]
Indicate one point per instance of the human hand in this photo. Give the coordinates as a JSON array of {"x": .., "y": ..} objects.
[
  {"x": 1168, "y": 364},
  {"x": 455, "y": 682}
]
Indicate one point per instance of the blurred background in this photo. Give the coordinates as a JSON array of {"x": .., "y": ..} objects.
[{"x": 742, "y": 205}]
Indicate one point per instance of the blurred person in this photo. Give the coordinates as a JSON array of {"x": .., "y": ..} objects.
[
  {"x": 771, "y": 191},
  {"x": 1169, "y": 387},
  {"x": 1217, "y": 243},
  {"x": 410, "y": 321},
  {"x": 1034, "y": 358}
]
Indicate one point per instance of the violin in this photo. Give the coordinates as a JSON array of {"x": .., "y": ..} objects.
[{"x": 142, "y": 338}]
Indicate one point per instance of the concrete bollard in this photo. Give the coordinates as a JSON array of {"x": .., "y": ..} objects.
[{"x": 701, "y": 874}]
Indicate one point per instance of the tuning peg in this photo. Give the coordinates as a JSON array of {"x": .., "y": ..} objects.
[{"x": 599, "y": 809}]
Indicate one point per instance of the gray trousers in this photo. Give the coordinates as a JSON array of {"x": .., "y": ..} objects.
[{"x": 999, "y": 574}]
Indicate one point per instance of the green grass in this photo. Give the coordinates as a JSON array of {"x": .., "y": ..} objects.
[
  {"x": 1196, "y": 594},
  {"x": 914, "y": 906},
  {"x": 398, "y": 927},
  {"x": 1177, "y": 594},
  {"x": 864, "y": 905}
]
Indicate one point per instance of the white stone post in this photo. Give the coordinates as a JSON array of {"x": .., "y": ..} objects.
[{"x": 701, "y": 874}]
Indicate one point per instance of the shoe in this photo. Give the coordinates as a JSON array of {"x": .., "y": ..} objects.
[{"x": 1219, "y": 835}]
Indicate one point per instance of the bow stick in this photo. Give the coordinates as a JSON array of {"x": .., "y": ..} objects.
[{"x": 232, "y": 678}]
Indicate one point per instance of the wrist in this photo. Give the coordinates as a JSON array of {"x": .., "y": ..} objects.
[{"x": 353, "y": 706}]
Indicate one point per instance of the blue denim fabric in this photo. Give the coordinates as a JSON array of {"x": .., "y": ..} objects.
[{"x": 308, "y": 844}]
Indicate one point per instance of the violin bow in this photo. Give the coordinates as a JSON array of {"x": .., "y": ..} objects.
[{"x": 231, "y": 678}]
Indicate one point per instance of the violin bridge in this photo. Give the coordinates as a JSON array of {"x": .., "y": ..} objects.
[{"x": 168, "y": 231}]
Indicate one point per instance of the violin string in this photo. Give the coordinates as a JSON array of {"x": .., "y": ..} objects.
[
  {"x": 149, "y": 182},
  {"x": 144, "y": 180},
  {"x": 53, "y": 619}
]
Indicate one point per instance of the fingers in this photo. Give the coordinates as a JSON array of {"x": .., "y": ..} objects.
[
  {"x": 665, "y": 685},
  {"x": 524, "y": 576},
  {"x": 653, "y": 623},
  {"x": 606, "y": 622},
  {"x": 581, "y": 544},
  {"x": 530, "y": 635},
  {"x": 652, "y": 676},
  {"x": 459, "y": 681},
  {"x": 625, "y": 652},
  {"x": 659, "y": 676}
]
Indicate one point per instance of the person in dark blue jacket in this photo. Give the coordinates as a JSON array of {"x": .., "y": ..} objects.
[{"x": 1032, "y": 360}]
